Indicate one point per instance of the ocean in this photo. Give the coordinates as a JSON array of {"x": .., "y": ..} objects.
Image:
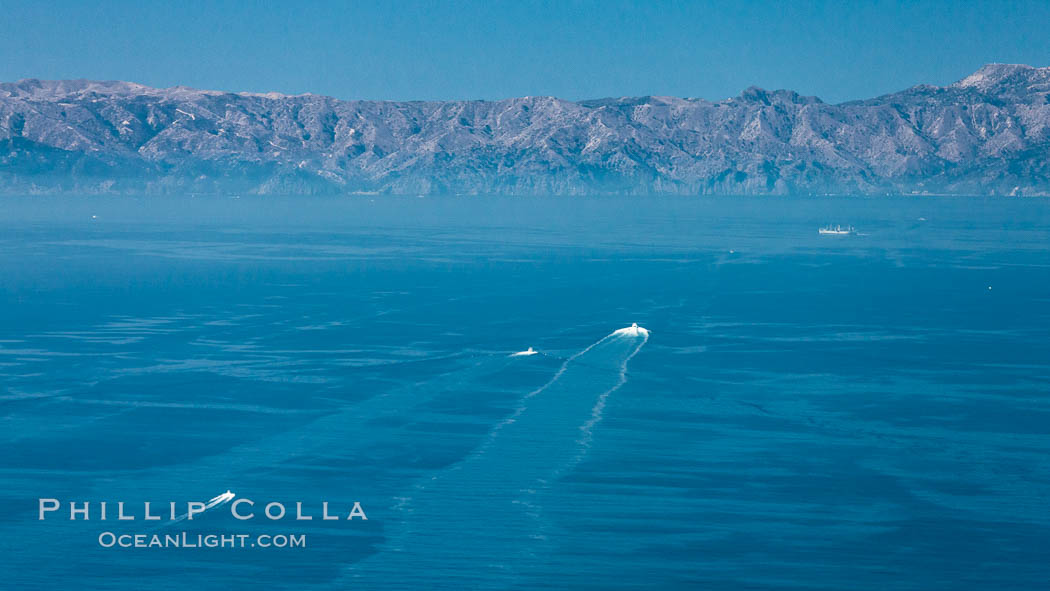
[{"x": 792, "y": 411}]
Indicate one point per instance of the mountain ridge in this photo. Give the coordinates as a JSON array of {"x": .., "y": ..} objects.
[{"x": 988, "y": 133}]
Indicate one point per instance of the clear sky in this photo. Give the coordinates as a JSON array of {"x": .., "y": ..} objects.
[{"x": 463, "y": 49}]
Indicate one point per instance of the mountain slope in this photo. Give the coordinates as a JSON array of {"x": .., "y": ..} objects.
[{"x": 987, "y": 133}]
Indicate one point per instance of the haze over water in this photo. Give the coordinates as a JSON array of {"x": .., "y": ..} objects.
[{"x": 805, "y": 412}]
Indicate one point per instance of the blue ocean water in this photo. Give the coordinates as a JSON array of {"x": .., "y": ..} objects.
[{"x": 804, "y": 412}]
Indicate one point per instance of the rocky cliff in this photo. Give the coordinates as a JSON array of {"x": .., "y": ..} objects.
[{"x": 989, "y": 133}]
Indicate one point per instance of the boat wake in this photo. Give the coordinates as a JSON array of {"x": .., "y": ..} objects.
[
  {"x": 587, "y": 430},
  {"x": 491, "y": 503}
]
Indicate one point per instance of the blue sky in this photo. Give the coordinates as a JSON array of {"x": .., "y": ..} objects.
[{"x": 466, "y": 49}]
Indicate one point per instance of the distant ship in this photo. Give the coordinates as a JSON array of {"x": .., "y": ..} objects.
[{"x": 837, "y": 230}]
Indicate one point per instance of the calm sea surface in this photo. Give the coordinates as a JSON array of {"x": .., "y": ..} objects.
[{"x": 805, "y": 412}]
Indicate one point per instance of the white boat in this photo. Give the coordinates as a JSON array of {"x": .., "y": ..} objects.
[
  {"x": 632, "y": 331},
  {"x": 527, "y": 352},
  {"x": 837, "y": 230}
]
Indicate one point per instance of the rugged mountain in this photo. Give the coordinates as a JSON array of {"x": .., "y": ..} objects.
[{"x": 987, "y": 133}]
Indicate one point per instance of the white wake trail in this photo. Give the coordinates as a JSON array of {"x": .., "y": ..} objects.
[
  {"x": 561, "y": 370},
  {"x": 596, "y": 414},
  {"x": 491, "y": 502}
]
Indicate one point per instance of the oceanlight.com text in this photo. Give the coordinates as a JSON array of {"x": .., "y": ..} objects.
[{"x": 108, "y": 539}]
